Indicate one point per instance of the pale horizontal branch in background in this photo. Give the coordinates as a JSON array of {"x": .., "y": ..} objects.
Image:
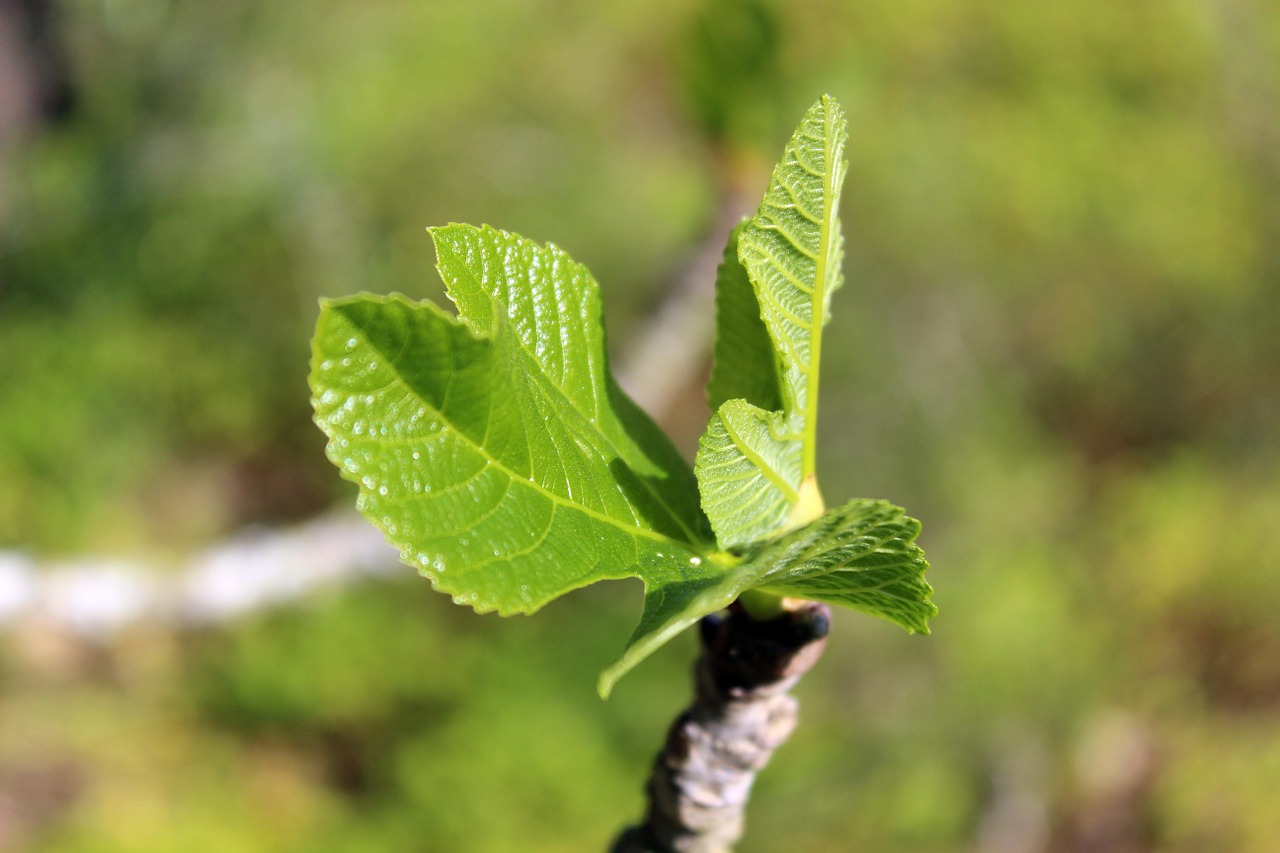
[{"x": 95, "y": 599}]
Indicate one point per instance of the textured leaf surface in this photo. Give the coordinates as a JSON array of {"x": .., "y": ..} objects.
[
  {"x": 749, "y": 467},
  {"x": 861, "y": 555},
  {"x": 753, "y": 460},
  {"x": 793, "y": 249},
  {"x": 494, "y": 450}
]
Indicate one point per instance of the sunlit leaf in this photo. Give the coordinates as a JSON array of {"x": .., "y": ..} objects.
[
  {"x": 756, "y": 460},
  {"x": 861, "y": 555},
  {"x": 494, "y": 450}
]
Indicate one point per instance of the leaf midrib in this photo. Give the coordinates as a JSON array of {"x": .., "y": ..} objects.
[
  {"x": 598, "y": 392},
  {"x": 808, "y": 463},
  {"x": 788, "y": 491}
]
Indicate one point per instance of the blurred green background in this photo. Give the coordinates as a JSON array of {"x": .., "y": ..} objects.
[{"x": 1058, "y": 345}]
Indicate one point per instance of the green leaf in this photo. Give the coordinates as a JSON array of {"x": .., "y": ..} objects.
[
  {"x": 793, "y": 249},
  {"x": 744, "y": 366},
  {"x": 756, "y": 461},
  {"x": 861, "y": 555},
  {"x": 494, "y": 450},
  {"x": 749, "y": 466}
]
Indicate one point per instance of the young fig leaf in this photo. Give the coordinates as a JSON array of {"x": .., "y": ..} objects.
[
  {"x": 756, "y": 460},
  {"x": 861, "y": 555},
  {"x": 494, "y": 450}
]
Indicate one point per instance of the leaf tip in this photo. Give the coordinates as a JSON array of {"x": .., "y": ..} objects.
[
  {"x": 831, "y": 104},
  {"x": 453, "y": 232}
]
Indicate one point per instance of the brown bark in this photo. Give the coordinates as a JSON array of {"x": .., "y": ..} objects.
[{"x": 740, "y": 714}]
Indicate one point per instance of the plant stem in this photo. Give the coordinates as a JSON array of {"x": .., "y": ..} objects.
[{"x": 741, "y": 713}]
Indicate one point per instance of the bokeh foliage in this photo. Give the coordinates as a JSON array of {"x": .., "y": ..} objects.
[{"x": 1057, "y": 347}]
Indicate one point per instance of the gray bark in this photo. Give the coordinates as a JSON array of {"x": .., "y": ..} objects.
[{"x": 741, "y": 713}]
